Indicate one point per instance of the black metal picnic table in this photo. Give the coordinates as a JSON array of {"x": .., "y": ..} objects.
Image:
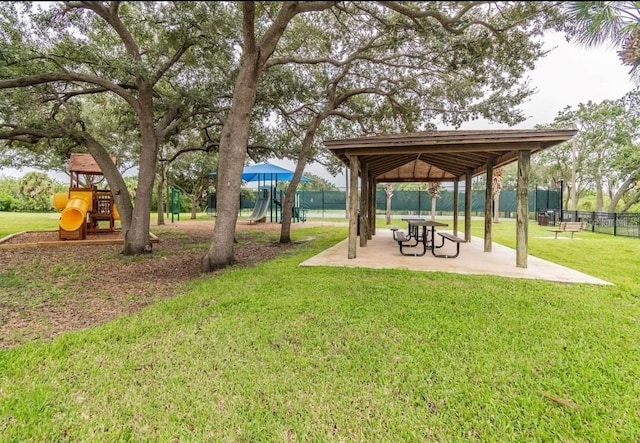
[{"x": 428, "y": 241}]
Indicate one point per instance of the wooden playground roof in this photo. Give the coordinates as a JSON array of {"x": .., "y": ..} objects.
[
  {"x": 84, "y": 164},
  {"x": 442, "y": 155}
]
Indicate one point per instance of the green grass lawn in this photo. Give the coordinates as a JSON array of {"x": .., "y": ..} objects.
[
  {"x": 12, "y": 222},
  {"x": 283, "y": 353}
]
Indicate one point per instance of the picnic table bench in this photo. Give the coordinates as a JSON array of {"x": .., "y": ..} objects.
[
  {"x": 452, "y": 238},
  {"x": 569, "y": 227},
  {"x": 412, "y": 233}
]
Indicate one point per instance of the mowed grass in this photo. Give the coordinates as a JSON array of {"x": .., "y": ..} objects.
[
  {"x": 14, "y": 222},
  {"x": 284, "y": 353}
]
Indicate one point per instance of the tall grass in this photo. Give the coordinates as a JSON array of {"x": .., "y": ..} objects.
[{"x": 284, "y": 353}]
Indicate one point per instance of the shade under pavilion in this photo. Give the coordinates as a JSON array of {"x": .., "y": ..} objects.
[{"x": 444, "y": 156}]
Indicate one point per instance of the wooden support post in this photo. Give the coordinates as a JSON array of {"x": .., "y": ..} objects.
[
  {"x": 353, "y": 206},
  {"x": 467, "y": 204},
  {"x": 522, "y": 209},
  {"x": 372, "y": 207},
  {"x": 364, "y": 205},
  {"x": 455, "y": 208},
  {"x": 488, "y": 200}
]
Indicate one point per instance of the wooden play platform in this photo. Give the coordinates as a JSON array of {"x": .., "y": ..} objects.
[
  {"x": 49, "y": 239},
  {"x": 85, "y": 208}
]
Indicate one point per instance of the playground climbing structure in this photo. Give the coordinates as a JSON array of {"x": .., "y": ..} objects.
[
  {"x": 259, "y": 214},
  {"x": 85, "y": 209}
]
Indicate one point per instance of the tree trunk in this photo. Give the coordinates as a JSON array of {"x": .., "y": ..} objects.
[
  {"x": 159, "y": 192},
  {"x": 433, "y": 208},
  {"x": 599, "y": 193},
  {"x": 287, "y": 210},
  {"x": 235, "y": 131},
  {"x": 622, "y": 190},
  {"x": 388, "y": 192},
  {"x": 133, "y": 219},
  {"x": 194, "y": 206},
  {"x": 233, "y": 150},
  {"x": 118, "y": 187},
  {"x": 137, "y": 239},
  {"x": 632, "y": 200},
  {"x": 573, "y": 195},
  {"x": 287, "y": 203},
  {"x": 434, "y": 192}
]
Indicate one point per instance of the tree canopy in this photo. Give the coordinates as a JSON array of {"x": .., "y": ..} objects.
[{"x": 147, "y": 80}]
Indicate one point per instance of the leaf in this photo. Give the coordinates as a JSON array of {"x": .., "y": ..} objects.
[{"x": 561, "y": 401}]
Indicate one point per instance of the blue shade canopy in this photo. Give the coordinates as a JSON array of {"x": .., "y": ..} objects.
[{"x": 267, "y": 171}]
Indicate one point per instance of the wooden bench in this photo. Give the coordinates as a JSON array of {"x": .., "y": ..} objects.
[
  {"x": 569, "y": 227},
  {"x": 452, "y": 238}
]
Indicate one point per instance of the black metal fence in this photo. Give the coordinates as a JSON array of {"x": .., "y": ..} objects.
[{"x": 622, "y": 224}]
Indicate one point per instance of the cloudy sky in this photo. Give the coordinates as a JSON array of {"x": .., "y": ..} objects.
[{"x": 567, "y": 76}]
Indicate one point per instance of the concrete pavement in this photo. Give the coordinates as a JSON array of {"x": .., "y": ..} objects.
[{"x": 382, "y": 252}]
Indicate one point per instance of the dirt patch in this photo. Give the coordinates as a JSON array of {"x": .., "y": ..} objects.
[{"x": 45, "y": 291}]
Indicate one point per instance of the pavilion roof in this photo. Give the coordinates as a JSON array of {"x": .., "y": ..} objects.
[{"x": 443, "y": 155}]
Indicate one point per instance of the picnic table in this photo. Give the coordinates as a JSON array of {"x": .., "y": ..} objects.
[
  {"x": 427, "y": 241},
  {"x": 412, "y": 235}
]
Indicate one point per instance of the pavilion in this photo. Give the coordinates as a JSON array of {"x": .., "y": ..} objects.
[{"x": 445, "y": 156}]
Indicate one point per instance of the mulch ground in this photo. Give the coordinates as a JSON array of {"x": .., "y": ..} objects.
[{"x": 46, "y": 291}]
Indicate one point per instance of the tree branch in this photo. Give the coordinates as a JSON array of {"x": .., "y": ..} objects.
[
  {"x": 27, "y": 135},
  {"x": 452, "y": 24},
  {"x": 32, "y": 80},
  {"x": 110, "y": 15},
  {"x": 248, "y": 26},
  {"x": 303, "y": 7},
  {"x": 173, "y": 60}
]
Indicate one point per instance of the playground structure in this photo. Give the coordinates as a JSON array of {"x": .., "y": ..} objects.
[
  {"x": 84, "y": 209},
  {"x": 269, "y": 197},
  {"x": 298, "y": 213},
  {"x": 270, "y": 200},
  {"x": 259, "y": 213}
]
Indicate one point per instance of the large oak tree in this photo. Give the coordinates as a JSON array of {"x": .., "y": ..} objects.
[
  {"x": 403, "y": 68},
  {"x": 153, "y": 57}
]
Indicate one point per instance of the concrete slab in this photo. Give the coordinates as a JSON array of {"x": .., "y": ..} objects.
[{"x": 382, "y": 252}]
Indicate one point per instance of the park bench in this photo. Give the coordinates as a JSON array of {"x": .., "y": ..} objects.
[
  {"x": 452, "y": 238},
  {"x": 569, "y": 227}
]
